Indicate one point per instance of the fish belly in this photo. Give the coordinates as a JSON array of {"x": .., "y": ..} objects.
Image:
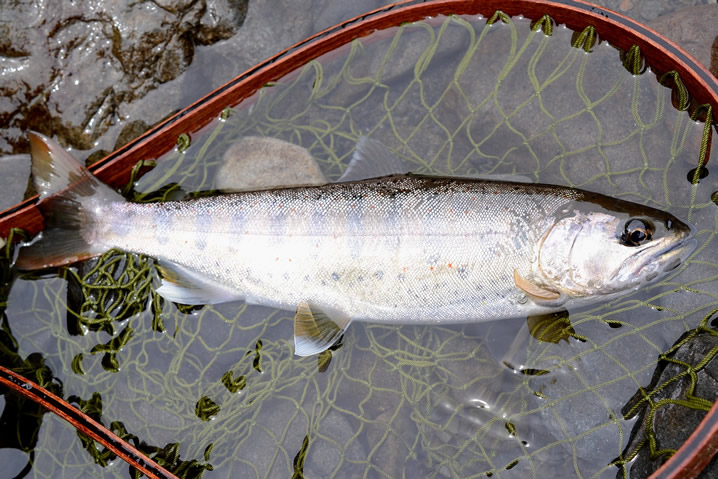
[{"x": 407, "y": 252}]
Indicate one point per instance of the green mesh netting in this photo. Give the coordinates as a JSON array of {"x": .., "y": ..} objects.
[{"x": 215, "y": 391}]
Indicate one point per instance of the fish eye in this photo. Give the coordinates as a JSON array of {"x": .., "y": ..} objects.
[{"x": 636, "y": 231}]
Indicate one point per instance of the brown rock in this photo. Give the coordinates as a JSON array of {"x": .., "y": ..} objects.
[
  {"x": 261, "y": 162},
  {"x": 71, "y": 69},
  {"x": 692, "y": 28}
]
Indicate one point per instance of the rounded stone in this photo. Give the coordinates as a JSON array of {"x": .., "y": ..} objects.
[{"x": 261, "y": 162}]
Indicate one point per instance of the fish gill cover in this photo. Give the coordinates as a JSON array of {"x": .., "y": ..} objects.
[{"x": 215, "y": 391}]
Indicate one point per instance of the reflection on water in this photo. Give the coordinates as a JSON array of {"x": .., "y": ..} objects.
[{"x": 449, "y": 96}]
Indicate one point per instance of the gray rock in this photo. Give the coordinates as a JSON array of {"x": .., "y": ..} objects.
[
  {"x": 335, "y": 448},
  {"x": 389, "y": 447},
  {"x": 673, "y": 423},
  {"x": 255, "y": 162}
]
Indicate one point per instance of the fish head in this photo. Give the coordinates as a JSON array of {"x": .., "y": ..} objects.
[{"x": 596, "y": 250}]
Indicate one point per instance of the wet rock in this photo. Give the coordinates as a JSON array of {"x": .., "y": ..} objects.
[
  {"x": 256, "y": 162},
  {"x": 128, "y": 133},
  {"x": 693, "y": 28},
  {"x": 69, "y": 70},
  {"x": 131, "y": 131},
  {"x": 14, "y": 172},
  {"x": 674, "y": 423}
]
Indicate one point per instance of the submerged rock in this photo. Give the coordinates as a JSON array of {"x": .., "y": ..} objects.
[
  {"x": 693, "y": 28},
  {"x": 255, "y": 162}
]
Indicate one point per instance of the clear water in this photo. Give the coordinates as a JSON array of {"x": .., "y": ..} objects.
[{"x": 449, "y": 96}]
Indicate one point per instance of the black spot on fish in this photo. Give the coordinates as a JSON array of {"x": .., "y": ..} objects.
[
  {"x": 335, "y": 276},
  {"x": 463, "y": 272},
  {"x": 123, "y": 228},
  {"x": 238, "y": 220},
  {"x": 379, "y": 275},
  {"x": 202, "y": 223},
  {"x": 163, "y": 221},
  {"x": 278, "y": 223},
  {"x": 319, "y": 221}
]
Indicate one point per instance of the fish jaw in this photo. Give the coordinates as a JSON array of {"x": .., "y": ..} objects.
[{"x": 658, "y": 259}]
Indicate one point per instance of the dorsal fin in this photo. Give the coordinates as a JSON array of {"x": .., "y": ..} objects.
[
  {"x": 500, "y": 177},
  {"x": 372, "y": 159}
]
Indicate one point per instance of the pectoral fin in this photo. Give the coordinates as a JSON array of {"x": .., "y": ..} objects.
[
  {"x": 551, "y": 327},
  {"x": 533, "y": 290},
  {"x": 315, "y": 331}
]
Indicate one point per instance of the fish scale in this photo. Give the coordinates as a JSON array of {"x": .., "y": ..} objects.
[
  {"x": 396, "y": 249},
  {"x": 425, "y": 244}
]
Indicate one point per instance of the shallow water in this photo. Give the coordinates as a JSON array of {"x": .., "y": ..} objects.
[{"x": 449, "y": 96}]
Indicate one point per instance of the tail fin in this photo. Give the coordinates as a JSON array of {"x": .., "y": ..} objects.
[{"x": 68, "y": 195}]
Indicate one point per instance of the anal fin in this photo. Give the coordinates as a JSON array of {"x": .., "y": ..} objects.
[{"x": 315, "y": 331}]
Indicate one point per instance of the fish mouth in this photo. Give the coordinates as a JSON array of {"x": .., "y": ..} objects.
[
  {"x": 674, "y": 255},
  {"x": 666, "y": 257}
]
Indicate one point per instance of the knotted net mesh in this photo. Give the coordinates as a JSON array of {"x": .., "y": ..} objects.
[{"x": 215, "y": 391}]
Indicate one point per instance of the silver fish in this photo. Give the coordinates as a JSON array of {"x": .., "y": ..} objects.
[{"x": 393, "y": 249}]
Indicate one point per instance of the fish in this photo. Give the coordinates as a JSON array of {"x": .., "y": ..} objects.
[{"x": 396, "y": 248}]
